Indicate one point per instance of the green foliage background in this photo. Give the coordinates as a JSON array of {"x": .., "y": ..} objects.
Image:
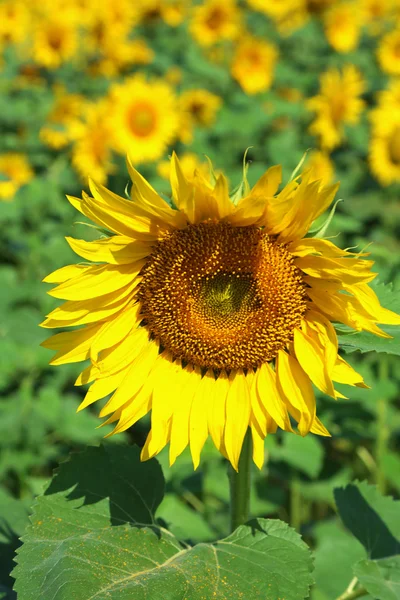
[{"x": 38, "y": 424}]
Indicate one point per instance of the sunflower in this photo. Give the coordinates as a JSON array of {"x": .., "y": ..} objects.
[
  {"x": 253, "y": 64},
  {"x": 321, "y": 166},
  {"x": 215, "y": 21},
  {"x": 277, "y": 10},
  {"x": 145, "y": 117},
  {"x": 337, "y": 104},
  {"x": 198, "y": 108},
  {"x": 55, "y": 41},
  {"x": 389, "y": 53},
  {"x": 15, "y": 171},
  {"x": 112, "y": 54},
  {"x": 174, "y": 12},
  {"x": 214, "y": 314},
  {"x": 342, "y": 26},
  {"x": 384, "y": 147},
  {"x": 91, "y": 153},
  {"x": 14, "y": 22},
  {"x": 64, "y": 122},
  {"x": 376, "y": 14}
]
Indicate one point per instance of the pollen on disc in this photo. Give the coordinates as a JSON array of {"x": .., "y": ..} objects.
[{"x": 222, "y": 297}]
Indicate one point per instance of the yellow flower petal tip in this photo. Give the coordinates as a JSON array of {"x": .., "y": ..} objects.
[{"x": 214, "y": 313}]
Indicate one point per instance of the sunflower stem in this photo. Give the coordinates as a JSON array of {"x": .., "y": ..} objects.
[
  {"x": 383, "y": 433},
  {"x": 240, "y": 485}
]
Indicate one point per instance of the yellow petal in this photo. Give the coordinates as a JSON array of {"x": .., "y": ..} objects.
[
  {"x": 345, "y": 270},
  {"x": 370, "y": 302},
  {"x": 182, "y": 191},
  {"x": 87, "y": 376},
  {"x": 319, "y": 246},
  {"x": 270, "y": 397},
  {"x": 258, "y": 445},
  {"x": 268, "y": 183},
  {"x": 319, "y": 429},
  {"x": 66, "y": 273},
  {"x": 163, "y": 400},
  {"x": 97, "y": 281},
  {"x": 198, "y": 428},
  {"x": 71, "y": 346},
  {"x": 311, "y": 358},
  {"x": 221, "y": 193},
  {"x": 344, "y": 373},
  {"x": 116, "y": 250},
  {"x": 144, "y": 187},
  {"x": 115, "y": 330},
  {"x": 101, "y": 388},
  {"x": 249, "y": 211},
  {"x": 237, "y": 415},
  {"x": 134, "y": 379},
  {"x": 123, "y": 354},
  {"x": 296, "y": 387},
  {"x": 190, "y": 380},
  {"x": 321, "y": 329},
  {"x": 88, "y": 311},
  {"x": 216, "y": 409},
  {"x": 152, "y": 447}
]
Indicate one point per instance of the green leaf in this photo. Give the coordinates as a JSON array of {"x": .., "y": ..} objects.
[
  {"x": 303, "y": 453},
  {"x": 381, "y": 578},
  {"x": 372, "y": 518},
  {"x": 367, "y": 342},
  {"x": 93, "y": 535},
  {"x": 13, "y": 519},
  {"x": 336, "y": 552}
]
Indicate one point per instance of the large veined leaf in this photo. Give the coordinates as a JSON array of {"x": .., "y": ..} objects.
[
  {"x": 93, "y": 535},
  {"x": 363, "y": 341},
  {"x": 372, "y": 518},
  {"x": 381, "y": 578}
]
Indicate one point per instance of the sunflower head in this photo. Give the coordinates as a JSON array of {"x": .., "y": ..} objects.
[
  {"x": 15, "y": 171},
  {"x": 253, "y": 64},
  {"x": 214, "y": 21},
  {"x": 145, "y": 118},
  {"x": 213, "y": 311}
]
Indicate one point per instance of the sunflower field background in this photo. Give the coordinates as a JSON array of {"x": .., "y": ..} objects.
[{"x": 82, "y": 83}]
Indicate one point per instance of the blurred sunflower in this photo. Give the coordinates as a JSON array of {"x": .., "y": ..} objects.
[
  {"x": 145, "y": 117},
  {"x": 14, "y": 22},
  {"x": 384, "y": 148},
  {"x": 198, "y": 108},
  {"x": 64, "y": 122},
  {"x": 213, "y": 314},
  {"x": 278, "y": 10},
  {"x": 387, "y": 99},
  {"x": 15, "y": 171},
  {"x": 337, "y": 104},
  {"x": 253, "y": 64},
  {"x": 55, "y": 41},
  {"x": 174, "y": 12},
  {"x": 215, "y": 21},
  {"x": 376, "y": 14},
  {"x": 91, "y": 153},
  {"x": 190, "y": 164},
  {"x": 342, "y": 26},
  {"x": 110, "y": 51},
  {"x": 322, "y": 168},
  {"x": 389, "y": 52}
]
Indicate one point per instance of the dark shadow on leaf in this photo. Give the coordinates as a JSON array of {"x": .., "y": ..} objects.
[
  {"x": 134, "y": 489},
  {"x": 365, "y": 523},
  {"x": 256, "y": 526},
  {"x": 7, "y": 554}
]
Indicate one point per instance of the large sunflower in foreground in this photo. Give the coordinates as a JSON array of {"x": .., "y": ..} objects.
[{"x": 214, "y": 313}]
